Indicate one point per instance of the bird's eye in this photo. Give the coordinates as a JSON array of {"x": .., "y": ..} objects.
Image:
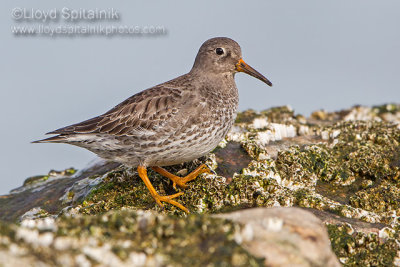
[{"x": 219, "y": 51}]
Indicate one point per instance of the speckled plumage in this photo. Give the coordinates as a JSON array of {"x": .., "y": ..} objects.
[
  {"x": 173, "y": 122},
  {"x": 165, "y": 125}
]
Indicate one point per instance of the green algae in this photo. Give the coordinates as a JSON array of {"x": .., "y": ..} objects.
[
  {"x": 252, "y": 149},
  {"x": 385, "y": 197},
  {"x": 35, "y": 179},
  {"x": 362, "y": 156},
  {"x": 66, "y": 172},
  {"x": 361, "y": 249},
  {"x": 52, "y": 173},
  {"x": 304, "y": 199},
  {"x": 118, "y": 190}
]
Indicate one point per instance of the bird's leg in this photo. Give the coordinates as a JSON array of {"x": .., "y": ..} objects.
[
  {"x": 181, "y": 181},
  {"x": 143, "y": 174}
]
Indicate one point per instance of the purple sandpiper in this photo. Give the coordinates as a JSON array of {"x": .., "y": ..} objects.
[{"x": 171, "y": 123}]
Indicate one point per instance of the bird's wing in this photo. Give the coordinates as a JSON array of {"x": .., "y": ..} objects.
[{"x": 139, "y": 114}]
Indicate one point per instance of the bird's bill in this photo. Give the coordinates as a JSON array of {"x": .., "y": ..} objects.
[{"x": 242, "y": 66}]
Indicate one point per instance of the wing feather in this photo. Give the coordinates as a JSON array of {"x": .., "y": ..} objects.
[{"x": 144, "y": 111}]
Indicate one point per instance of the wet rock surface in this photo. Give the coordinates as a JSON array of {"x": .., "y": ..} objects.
[{"x": 343, "y": 167}]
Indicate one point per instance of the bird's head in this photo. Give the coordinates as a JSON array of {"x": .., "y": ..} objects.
[{"x": 223, "y": 55}]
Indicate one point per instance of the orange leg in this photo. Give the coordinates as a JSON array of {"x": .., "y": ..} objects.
[
  {"x": 181, "y": 181},
  {"x": 143, "y": 174}
]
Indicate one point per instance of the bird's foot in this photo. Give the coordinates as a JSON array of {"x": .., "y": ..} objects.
[
  {"x": 159, "y": 199},
  {"x": 168, "y": 199},
  {"x": 181, "y": 181}
]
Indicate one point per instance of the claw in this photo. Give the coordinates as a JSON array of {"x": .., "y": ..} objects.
[
  {"x": 174, "y": 185},
  {"x": 159, "y": 199},
  {"x": 180, "y": 181}
]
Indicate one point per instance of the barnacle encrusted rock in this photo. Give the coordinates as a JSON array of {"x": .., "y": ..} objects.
[
  {"x": 124, "y": 238},
  {"x": 343, "y": 166},
  {"x": 253, "y": 237}
]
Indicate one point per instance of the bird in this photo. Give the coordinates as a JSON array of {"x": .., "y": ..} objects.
[{"x": 171, "y": 123}]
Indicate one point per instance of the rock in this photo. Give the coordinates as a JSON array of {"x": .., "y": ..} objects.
[
  {"x": 284, "y": 236},
  {"x": 252, "y": 237},
  {"x": 49, "y": 194},
  {"x": 124, "y": 238},
  {"x": 342, "y": 166}
]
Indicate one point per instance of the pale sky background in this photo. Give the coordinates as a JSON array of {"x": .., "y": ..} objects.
[{"x": 318, "y": 54}]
